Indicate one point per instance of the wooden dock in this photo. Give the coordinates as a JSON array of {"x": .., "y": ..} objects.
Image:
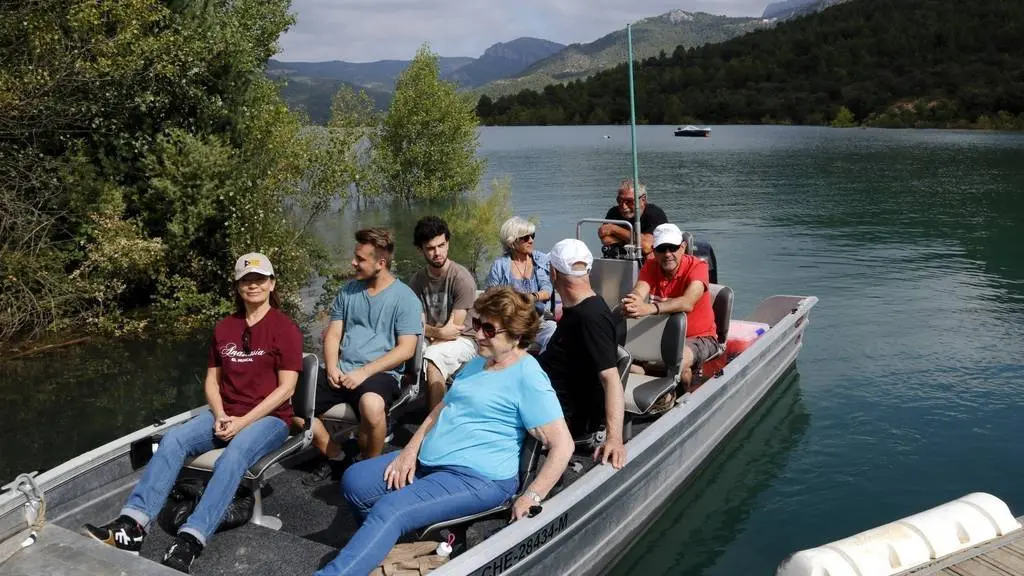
[{"x": 1000, "y": 557}]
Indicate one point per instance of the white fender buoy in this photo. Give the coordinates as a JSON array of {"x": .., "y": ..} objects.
[{"x": 909, "y": 542}]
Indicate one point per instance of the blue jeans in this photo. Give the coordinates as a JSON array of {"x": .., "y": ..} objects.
[
  {"x": 437, "y": 494},
  {"x": 192, "y": 439}
]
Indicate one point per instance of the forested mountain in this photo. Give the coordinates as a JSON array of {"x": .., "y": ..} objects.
[
  {"x": 502, "y": 60},
  {"x": 651, "y": 36},
  {"x": 891, "y": 62}
]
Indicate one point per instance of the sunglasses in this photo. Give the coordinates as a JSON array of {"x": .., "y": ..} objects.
[
  {"x": 247, "y": 340},
  {"x": 663, "y": 248},
  {"x": 489, "y": 330},
  {"x": 528, "y": 237}
]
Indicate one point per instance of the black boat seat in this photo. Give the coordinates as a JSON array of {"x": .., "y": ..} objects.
[
  {"x": 408, "y": 390},
  {"x": 656, "y": 339},
  {"x": 721, "y": 306},
  {"x": 613, "y": 279},
  {"x": 529, "y": 457},
  {"x": 303, "y": 401}
]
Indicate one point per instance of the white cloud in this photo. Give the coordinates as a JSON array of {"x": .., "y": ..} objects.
[{"x": 366, "y": 30}]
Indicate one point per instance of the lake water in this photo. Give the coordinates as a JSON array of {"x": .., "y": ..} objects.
[{"x": 909, "y": 387}]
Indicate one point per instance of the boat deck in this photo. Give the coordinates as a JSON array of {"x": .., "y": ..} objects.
[
  {"x": 316, "y": 524},
  {"x": 1000, "y": 557}
]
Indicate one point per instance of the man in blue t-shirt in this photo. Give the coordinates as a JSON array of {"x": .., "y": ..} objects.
[{"x": 375, "y": 322}]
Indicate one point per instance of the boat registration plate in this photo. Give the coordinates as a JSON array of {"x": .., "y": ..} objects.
[{"x": 526, "y": 547}]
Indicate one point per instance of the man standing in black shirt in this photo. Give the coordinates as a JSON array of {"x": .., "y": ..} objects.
[
  {"x": 580, "y": 357},
  {"x": 615, "y": 237}
]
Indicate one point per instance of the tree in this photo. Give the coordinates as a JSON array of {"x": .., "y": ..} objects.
[
  {"x": 426, "y": 146},
  {"x": 474, "y": 220},
  {"x": 146, "y": 150},
  {"x": 844, "y": 118}
]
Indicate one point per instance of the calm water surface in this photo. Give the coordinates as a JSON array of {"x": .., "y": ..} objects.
[{"x": 909, "y": 387}]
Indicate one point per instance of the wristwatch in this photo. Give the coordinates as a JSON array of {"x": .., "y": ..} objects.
[{"x": 533, "y": 496}]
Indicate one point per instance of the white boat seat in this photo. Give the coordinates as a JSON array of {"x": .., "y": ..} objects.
[
  {"x": 408, "y": 389},
  {"x": 303, "y": 401},
  {"x": 529, "y": 458},
  {"x": 612, "y": 279},
  {"x": 654, "y": 339}
]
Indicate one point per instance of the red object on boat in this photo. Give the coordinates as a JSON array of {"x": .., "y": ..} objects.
[{"x": 742, "y": 335}]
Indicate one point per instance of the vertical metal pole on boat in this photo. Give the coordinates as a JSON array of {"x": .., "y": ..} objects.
[{"x": 632, "y": 134}]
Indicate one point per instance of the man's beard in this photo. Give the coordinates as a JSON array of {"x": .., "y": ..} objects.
[{"x": 437, "y": 266}]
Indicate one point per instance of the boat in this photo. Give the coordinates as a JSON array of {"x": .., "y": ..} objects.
[
  {"x": 693, "y": 131},
  {"x": 588, "y": 521}
]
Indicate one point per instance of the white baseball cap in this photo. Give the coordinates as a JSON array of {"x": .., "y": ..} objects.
[
  {"x": 569, "y": 252},
  {"x": 253, "y": 262},
  {"x": 667, "y": 234}
]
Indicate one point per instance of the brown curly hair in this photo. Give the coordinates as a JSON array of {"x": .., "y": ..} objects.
[{"x": 514, "y": 310}]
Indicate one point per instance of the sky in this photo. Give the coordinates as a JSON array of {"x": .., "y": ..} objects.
[{"x": 368, "y": 30}]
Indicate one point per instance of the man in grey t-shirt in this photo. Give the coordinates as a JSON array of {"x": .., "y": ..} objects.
[{"x": 447, "y": 291}]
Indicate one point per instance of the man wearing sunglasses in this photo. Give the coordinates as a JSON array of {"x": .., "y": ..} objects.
[
  {"x": 677, "y": 282},
  {"x": 580, "y": 357},
  {"x": 616, "y": 237}
]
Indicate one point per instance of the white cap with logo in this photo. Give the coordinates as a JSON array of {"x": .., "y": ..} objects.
[
  {"x": 667, "y": 234},
  {"x": 253, "y": 262},
  {"x": 569, "y": 252}
]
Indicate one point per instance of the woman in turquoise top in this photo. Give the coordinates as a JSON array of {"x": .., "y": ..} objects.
[
  {"x": 464, "y": 458},
  {"x": 524, "y": 269}
]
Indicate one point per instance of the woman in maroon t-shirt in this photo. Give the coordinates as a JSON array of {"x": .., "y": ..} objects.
[{"x": 254, "y": 362}]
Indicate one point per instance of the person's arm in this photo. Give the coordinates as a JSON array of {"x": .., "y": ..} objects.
[
  {"x": 332, "y": 347},
  {"x": 540, "y": 268},
  {"x": 211, "y": 388},
  {"x": 405, "y": 347},
  {"x": 555, "y": 435},
  {"x": 286, "y": 380},
  {"x": 633, "y": 303},
  {"x": 402, "y": 470},
  {"x": 684, "y": 303},
  {"x": 494, "y": 277},
  {"x": 647, "y": 243},
  {"x": 613, "y": 448},
  {"x": 449, "y": 331},
  {"x": 614, "y": 234}
]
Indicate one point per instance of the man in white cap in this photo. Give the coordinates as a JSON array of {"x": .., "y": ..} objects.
[
  {"x": 581, "y": 354},
  {"x": 677, "y": 282}
]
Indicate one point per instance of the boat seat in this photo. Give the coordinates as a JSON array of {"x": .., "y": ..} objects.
[
  {"x": 409, "y": 389},
  {"x": 656, "y": 339},
  {"x": 691, "y": 243},
  {"x": 529, "y": 458},
  {"x": 613, "y": 279},
  {"x": 721, "y": 306},
  {"x": 303, "y": 401}
]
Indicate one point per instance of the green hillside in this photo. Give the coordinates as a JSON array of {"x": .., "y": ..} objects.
[
  {"x": 651, "y": 36},
  {"x": 891, "y": 62}
]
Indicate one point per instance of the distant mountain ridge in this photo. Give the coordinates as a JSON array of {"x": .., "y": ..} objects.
[
  {"x": 309, "y": 86},
  {"x": 651, "y": 36},
  {"x": 503, "y": 59},
  {"x": 793, "y": 8}
]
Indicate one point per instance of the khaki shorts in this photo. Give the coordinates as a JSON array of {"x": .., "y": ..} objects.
[
  {"x": 449, "y": 355},
  {"x": 703, "y": 347}
]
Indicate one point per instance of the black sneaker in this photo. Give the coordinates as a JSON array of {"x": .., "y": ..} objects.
[
  {"x": 324, "y": 471},
  {"x": 124, "y": 533},
  {"x": 182, "y": 552}
]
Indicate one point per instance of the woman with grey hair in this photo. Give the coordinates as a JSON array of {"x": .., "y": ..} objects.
[{"x": 524, "y": 269}]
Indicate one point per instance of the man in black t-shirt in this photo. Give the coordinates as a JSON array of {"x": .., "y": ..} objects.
[
  {"x": 580, "y": 357},
  {"x": 615, "y": 237}
]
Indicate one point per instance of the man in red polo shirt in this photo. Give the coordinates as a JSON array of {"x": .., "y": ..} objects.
[{"x": 677, "y": 282}]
